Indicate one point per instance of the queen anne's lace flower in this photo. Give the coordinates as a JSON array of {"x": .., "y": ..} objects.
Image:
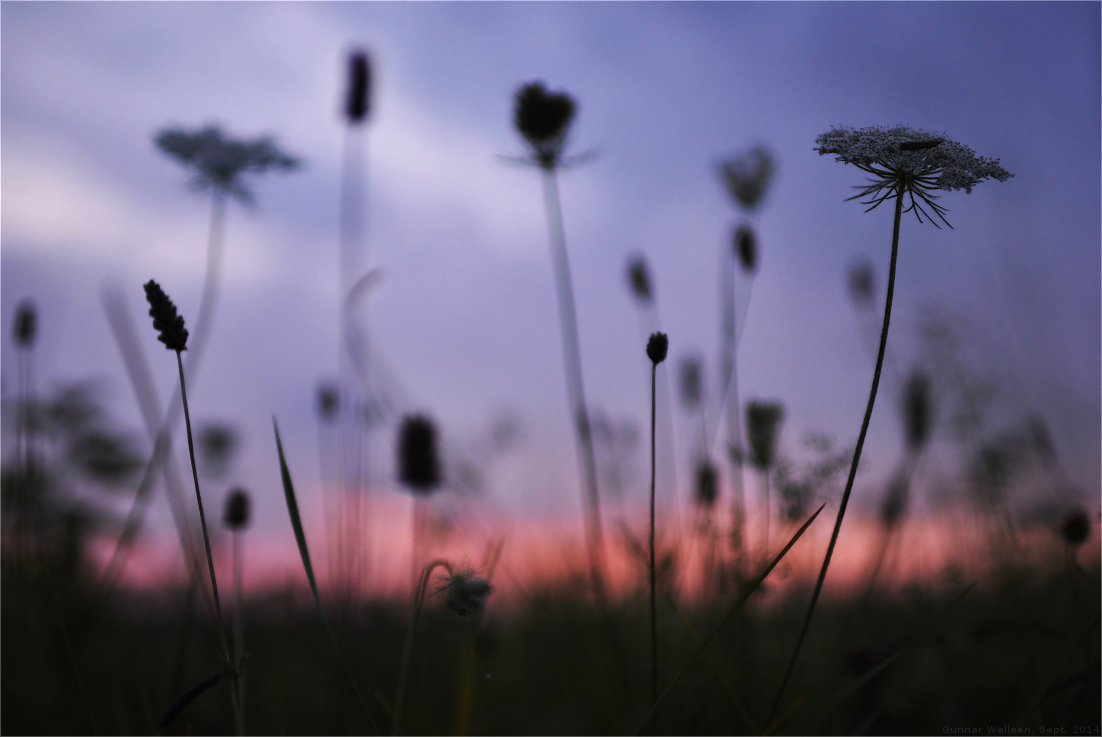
[{"x": 904, "y": 160}]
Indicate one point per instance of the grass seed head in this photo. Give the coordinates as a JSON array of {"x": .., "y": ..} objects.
[
  {"x": 706, "y": 489},
  {"x": 165, "y": 320},
  {"x": 328, "y": 398},
  {"x": 465, "y": 592},
  {"x": 358, "y": 100},
  {"x": 543, "y": 119},
  {"x": 917, "y": 410},
  {"x": 657, "y": 347},
  {"x": 418, "y": 462},
  {"x": 861, "y": 281},
  {"x": 237, "y": 510},
  {"x": 639, "y": 279},
  {"x": 746, "y": 248},
  {"x": 691, "y": 381},
  {"x": 763, "y": 426},
  {"x": 26, "y": 323}
]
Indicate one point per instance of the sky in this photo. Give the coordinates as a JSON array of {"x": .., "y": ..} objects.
[{"x": 463, "y": 320}]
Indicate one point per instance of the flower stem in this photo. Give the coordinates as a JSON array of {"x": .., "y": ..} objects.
[
  {"x": 206, "y": 536},
  {"x": 575, "y": 388},
  {"x": 856, "y": 456},
  {"x": 653, "y": 571},
  {"x": 407, "y": 651}
]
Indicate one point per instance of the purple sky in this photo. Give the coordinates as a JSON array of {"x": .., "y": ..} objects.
[{"x": 465, "y": 315}]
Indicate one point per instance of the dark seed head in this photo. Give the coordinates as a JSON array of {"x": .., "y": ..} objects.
[
  {"x": 763, "y": 426},
  {"x": 706, "y": 488},
  {"x": 328, "y": 401},
  {"x": 746, "y": 248},
  {"x": 639, "y": 279},
  {"x": 236, "y": 513},
  {"x": 418, "y": 464},
  {"x": 465, "y": 592},
  {"x": 543, "y": 118},
  {"x": 165, "y": 320},
  {"x": 861, "y": 282},
  {"x": 917, "y": 410},
  {"x": 26, "y": 321},
  {"x": 657, "y": 347},
  {"x": 358, "y": 102},
  {"x": 1076, "y": 528},
  {"x": 691, "y": 382}
]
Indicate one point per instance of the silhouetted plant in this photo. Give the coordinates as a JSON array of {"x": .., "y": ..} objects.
[
  {"x": 705, "y": 486},
  {"x": 918, "y": 411},
  {"x": 861, "y": 283},
  {"x": 418, "y": 463},
  {"x": 748, "y": 176},
  {"x": 358, "y": 95},
  {"x": 746, "y": 248},
  {"x": 903, "y": 163},
  {"x": 218, "y": 443},
  {"x": 236, "y": 514},
  {"x": 639, "y": 279},
  {"x": 657, "y": 348},
  {"x": 763, "y": 427},
  {"x": 328, "y": 402}
]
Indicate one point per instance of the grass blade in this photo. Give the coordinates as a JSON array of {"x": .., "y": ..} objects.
[
  {"x": 304, "y": 552},
  {"x": 730, "y": 613}
]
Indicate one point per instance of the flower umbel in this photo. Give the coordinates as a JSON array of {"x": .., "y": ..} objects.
[
  {"x": 465, "y": 592},
  {"x": 543, "y": 118},
  {"x": 904, "y": 161},
  {"x": 748, "y": 176},
  {"x": 171, "y": 326},
  {"x": 657, "y": 347}
]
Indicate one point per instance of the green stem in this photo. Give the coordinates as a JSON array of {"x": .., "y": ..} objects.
[
  {"x": 575, "y": 388},
  {"x": 653, "y": 570},
  {"x": 407, "y": 650},
  {"x": 856, "y": 456}
]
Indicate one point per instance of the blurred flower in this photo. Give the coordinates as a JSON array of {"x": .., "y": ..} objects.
[
  {"x": 1076, "y": 528},
  {"x": 706, "y": 487},
  {"x": 358, "y": 100},
  {"x": 165, "y": 320},
  {"x": 217, "y": 445},
  {"x": 418, "y": 464},
  {"x": 219, "y": 161},
  {"x": 26, "y": 320},
  {"x": 236, "y": 513},
  {"x": 904, "y": 161},
  {"x": 328, "y": 400},
  {"x": 763, "y": 424},
  {"x": 691, "y": 381},
  {"x": 543, "y": 118},
  {"x": 746, "y": 248},
  {"x": 639, "y": 279},
  {"x": 895, "y": 501},
  {"x": 657, "y": 347},
  {"x": 917, "y": 410},
  {"x": 465, "y": 592},
  {"x": 748, "y": 176},
  {"x": 861, "y": 281}
]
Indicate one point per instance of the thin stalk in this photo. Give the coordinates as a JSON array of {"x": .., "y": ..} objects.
[
  {"x": 856, "y": 456},
  {"x": 206, "y": 536},
  {"x": 238, "y": 631},
  {"x": 411, "y": 627},
  {"x": 653, "y": 569},
  {"x": 765, "y": 478},
  {"x": 728, "y": 372},
  {"x": 575, "y": 389}
]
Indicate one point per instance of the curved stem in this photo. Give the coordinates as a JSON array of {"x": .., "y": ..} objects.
[
  {"x": 856, "y": 457},
  {"x": 407, "y": 650},
  {"x": 653, "y": 573}
]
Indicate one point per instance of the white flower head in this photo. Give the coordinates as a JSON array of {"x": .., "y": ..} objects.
[
  {"x": 914, "y": 162},
  {"x": 464, "y": 591}
]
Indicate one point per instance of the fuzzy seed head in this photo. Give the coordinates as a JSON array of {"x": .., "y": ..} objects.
[
  {"x": 358, "y": 100},
  {"x": 748, "y": 176},
  {"x": 639, "y": 279},
  {"x": 465, "y": 592},
  {"x": 418, "y": 463},
  {"x": 917, "y": 410},
  {"x": 706, "y": 489},
  {"x": 691, "y": 376},
  {"x": 746, "y": 248},
  {"x": 543, "y": 119},
  {"x": 165, "y": 320},
  {"x": 237, "y": 509},
  {"x": 26, "y": 322},
  {"x": 657, "y": 347},
  {"x": 328, "y": 401},
  {"x": 861, "y": 281},
  {"x": 763, "y": 427}
]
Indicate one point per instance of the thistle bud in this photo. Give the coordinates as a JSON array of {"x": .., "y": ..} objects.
[
  {"x": 861, "y": 282},
  {"x": 706, "y": 488},
  {"x": 358, "y": 100},
  {"x": 328, "y": 401},
  {"x": 657, "y": 347},
  {"x": 691, "y": 381},
  {"x": 465, "y": 592},
  {"x": 746, "y": 248},
  {"x": 26, "y": 321},
  {"x": 543, "y": 118},
  {"x": 165, "y": 320},
  {"x": 418, "y": 464},
  {"x": 639, "y": 279},
  {"x": 1076, "y": 528},
  {"x": 237, "y": 510},
  {"x": 763, "y": 426},
  {"x": 917, "y": 410}
]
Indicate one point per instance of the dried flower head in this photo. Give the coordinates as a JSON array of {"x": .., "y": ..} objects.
[
  {"x": 543, "y": 118},
  {"x": 26, "y": 321},
  {"x": 917, "y": 410},
  {"x": 904, "y": 161},
  {"x": 418, "y": 464},
  {"x": 657, "y": 347},
  {"x": 328, "y": 401},
  {"x": 238, "y": 506},
  {"x": 358, "y": 100},
  {"x": 171, "y": 326},
  {"x": 1076, "y": 528},
  {"x": 746, "y": 248},
  {"x": 465, "y": 592},
  {"x": 763, "y": 426},
  {"x": 639, "y": 279},
  {"x": 219, "y": 161},
  {"x": 748, "y": 175},
  {"x": 706, "y": 488},
  {"x": 861, "y": 280},
  {"x": 691, "y": 381}
]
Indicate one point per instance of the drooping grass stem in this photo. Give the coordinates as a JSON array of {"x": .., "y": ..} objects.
[
  {"x": 856, "y": 455},
  {"x": 575, "y": 388},
  {"x": 411, "y": 627}
]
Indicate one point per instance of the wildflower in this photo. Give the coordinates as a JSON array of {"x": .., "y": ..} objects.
[
  {"x": 237, "y": 509},
  {"x": 917, "y": 410},
  {"x": 465, "y": 592},
  {"x": 748, "y": 176},
  {"x": 707, "y": 484},
  {"x": 746, "y": 248},
  {"x": 763, "y": 424},
  {"x": 691, "y": 381},
  {"x": 418, "y": 465},
  {"x": 861, "y": 282},
  {"x": 1076, "y": 528},
  {"x": 639, "y": 279},
  {"x": 904, "y": 161},
  {"x": 657, "y": 347},
  {"x": 26, "y": 320},
  {"x": 358, "y": 101},
  {"x": 171, "y": 326},
  {"x": 543, "y": 118},
  {"x": 219, "y": 161}
]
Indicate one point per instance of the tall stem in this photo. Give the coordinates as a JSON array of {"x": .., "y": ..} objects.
[
  {"x": 575, "y": 388},
  {"x": 653, "y": 570},
  {"x": 407, "y": 650},
  {"x": 238, "y": 631},
  {"x": 856, "y": 455}
]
